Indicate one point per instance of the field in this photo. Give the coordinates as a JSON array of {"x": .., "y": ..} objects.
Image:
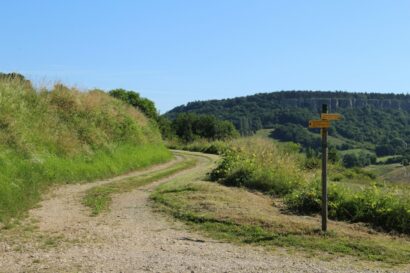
[{"x": 392, "y": 173}]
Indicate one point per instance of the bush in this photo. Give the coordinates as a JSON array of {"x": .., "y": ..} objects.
[
  {"x": 305, "y": 200},
  {"x": 373, "y": 205},
  {"x": 358, "y": 160},
  {"x": 260, "y": 165}
]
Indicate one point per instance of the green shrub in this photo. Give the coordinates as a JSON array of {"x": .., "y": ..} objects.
[{"x": 374, "y": 205}]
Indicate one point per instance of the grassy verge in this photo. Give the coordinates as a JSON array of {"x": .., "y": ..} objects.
[
  {"x": 99, "y": 198},
  {"x": 201, "y": 145},
  {"x": 354, "y": 195},
  {"x": 62, "y": 135},
  {"x": 22, "y": 181},
  {"x": 236, "y": 215}
]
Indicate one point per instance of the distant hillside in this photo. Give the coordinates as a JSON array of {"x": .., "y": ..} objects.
[{"x": 369, "y": 117}]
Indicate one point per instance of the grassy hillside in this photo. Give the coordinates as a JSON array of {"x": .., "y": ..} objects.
[{"x": 63, "y": 135}]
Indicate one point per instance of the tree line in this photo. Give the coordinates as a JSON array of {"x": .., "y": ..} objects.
[
  {"x": 371, "y": 119},
  {"x": 185, "y": 127}
]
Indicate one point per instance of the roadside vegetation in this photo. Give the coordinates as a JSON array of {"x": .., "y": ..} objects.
[
  {"x": 261, "y": 165},
  {"x": 62, "y": 135},
  {"x": 238, "y": 215},
  {"x": 268, "y": 195}
]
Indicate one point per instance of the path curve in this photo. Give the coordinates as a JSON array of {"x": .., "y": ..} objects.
[{"x": 132, "y": 237}]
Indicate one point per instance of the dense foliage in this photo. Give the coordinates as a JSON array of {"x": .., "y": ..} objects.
[
  {"x": 143, "y": 104},
  {"x": 185, "y": 127},
  {"x": 361, "y": 159},
  {"x": 189, "y": 127},
  {"x": 369, "y": 117},
  {"x": 298, "y": 134}
]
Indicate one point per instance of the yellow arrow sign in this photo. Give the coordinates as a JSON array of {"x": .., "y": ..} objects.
[
  {"x": 319, "y": 123},
  {"x": 331, "y": 116}
]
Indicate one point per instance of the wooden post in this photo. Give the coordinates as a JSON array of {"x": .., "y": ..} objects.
[
  {"x": 324, "y": 174},
  {"x": 324, "y": 123}
]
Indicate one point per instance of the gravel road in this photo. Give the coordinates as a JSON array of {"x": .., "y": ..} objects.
[{"x": 132, "y": 237}]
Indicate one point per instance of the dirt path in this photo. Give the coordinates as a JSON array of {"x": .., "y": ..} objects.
[{"x": 134, "y": 238}]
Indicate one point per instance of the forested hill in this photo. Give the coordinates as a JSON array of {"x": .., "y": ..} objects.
[{"x": 370, "y": 117}]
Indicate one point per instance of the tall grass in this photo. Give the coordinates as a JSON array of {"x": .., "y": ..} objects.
[
  {"x": 63, "y": 135},
  {"x": 259, "y": 164}
]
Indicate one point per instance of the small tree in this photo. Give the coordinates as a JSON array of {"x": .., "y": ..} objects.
[{"x": 350, "y": 160}]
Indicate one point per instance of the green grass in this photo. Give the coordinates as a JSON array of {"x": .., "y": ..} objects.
[
  {"x": 383, "y": 159},
  {"x": 235, "y": 215},
  {"x": 99, "y": 198},
  {"x": 63, "y": 135},
  {"x": 355, "y": 151},
  {"x": 395, "y": 176},
  {"x": 23, "y": 181},
  {"x": 260, "y": 164}
]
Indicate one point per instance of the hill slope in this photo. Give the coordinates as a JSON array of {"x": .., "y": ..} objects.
[
  {"x": 369, "y": 117},
  {"x": 63, "y": 135}
]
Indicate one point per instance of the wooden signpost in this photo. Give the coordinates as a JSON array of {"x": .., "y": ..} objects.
[
  {"x": 318, "y": 123},
  {"x": 324, "y": 123}
]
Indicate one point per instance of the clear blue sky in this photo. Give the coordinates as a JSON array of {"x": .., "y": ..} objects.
[{"x": 178, "y": 51}]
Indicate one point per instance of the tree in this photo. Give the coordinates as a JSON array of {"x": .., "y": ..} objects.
[
  {"x": 380, "y": 119},
  {"x": 165, "y": 126},
  {"x": 189, "y": 126},
  {"x": 244, "y": 127},
  {"x": 145, "y": 105},
  {"x": 358, "y": 160},
  {"x": 350, "y": 160},
  {"x": 182, "y": 126}
]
